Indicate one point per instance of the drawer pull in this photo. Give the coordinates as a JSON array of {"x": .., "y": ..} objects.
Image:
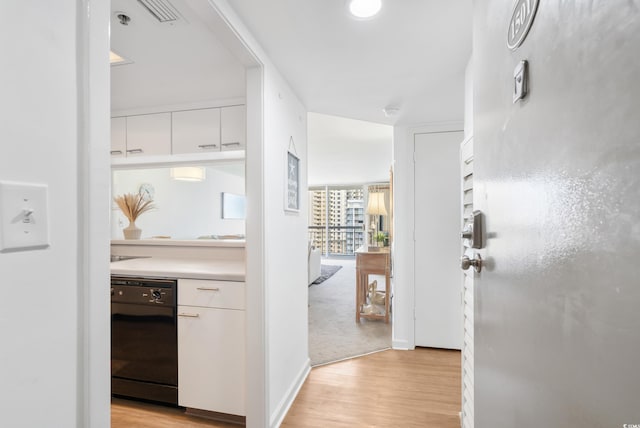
[
  {"x": 132, "y": 151},
  {"x": 208, "y": 289},
  {"x": 207, "y": 146},
  {"x": 235, "y": 143},
  {"x": 116, "y": 152},
  {"x": 189, "y": 315}
]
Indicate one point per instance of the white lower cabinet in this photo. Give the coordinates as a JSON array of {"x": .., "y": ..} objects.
[{"x": 211, "y": 346}]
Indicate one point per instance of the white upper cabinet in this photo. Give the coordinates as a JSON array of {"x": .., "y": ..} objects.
[
  {"x": 149, "y": 134},
  {"x": 234, "y": 126},
  {"x": 118, "y": 136},
  {"x": 195, "y": 131}
]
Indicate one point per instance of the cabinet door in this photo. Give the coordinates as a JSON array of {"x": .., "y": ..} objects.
[
  {"x": 149, "y": 134},
  {"x": 118, "y": 136},
  {"x": 211, "y": 359},
  {"x": 233, "y": 121},
  {"x": 195, "y": 131}
]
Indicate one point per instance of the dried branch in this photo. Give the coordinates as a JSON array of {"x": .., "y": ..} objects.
[{"x": 133, "y": 205}]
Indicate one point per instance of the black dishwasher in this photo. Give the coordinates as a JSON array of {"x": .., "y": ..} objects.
[{"x": 144, "y": 339}]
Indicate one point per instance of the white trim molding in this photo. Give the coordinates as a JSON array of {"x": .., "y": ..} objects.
[{"x": 292, "y": 392}]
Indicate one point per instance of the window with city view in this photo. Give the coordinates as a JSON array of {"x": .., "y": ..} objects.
[{"x": 336, "y": 219}]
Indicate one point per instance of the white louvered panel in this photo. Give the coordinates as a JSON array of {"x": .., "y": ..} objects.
[
  {"x": 468, "y": 197},
  {"x": 468, "y": 367},
  {"x": 468, "y": 411},
  {"x": 468, "y": 407},
  {"x": 468, "y": 210},
  {"x": 467, "y": 167},
  {"x": 468, "y": 392},
  {"x": 468, "y": 293},
  {"x": 468, "y": 353},
  {"x": 467, "y": 183},
  {"x": 468, "y": 346},
  {"x": 467, "y": 419},
  {"x": 468, "y": 299},
  {"x": 468, "y": 320}
]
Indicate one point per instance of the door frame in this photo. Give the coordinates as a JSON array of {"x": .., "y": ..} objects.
[{"x": 94, "y": 168}]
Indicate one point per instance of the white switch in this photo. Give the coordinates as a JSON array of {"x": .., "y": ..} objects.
[{"x": 23, "y": 216}]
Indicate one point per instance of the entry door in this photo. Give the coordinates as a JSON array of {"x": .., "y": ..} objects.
[
  {"x": 557, "y": 177},
  {"x": 438, "y": 313},
  {"x": 466, "y": 166}
]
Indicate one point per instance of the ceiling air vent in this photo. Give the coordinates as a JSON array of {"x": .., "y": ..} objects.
[{"x": 162, "y": 10}]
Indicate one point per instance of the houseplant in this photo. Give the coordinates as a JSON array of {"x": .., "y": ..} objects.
[
  {"x": 380, "y": 237},
  {"x": 132, "y": 206}
]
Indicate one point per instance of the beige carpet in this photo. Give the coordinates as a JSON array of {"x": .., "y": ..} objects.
[{"x": 333, "y": 332}]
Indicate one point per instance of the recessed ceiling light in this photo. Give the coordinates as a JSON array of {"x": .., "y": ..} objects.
[{"x": 364, "y": 8}]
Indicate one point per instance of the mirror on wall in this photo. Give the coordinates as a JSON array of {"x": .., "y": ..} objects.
[{"x": 201, "y": 201}]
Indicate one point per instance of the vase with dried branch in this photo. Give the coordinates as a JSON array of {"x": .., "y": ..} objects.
[{"x": 133, "y": 205}]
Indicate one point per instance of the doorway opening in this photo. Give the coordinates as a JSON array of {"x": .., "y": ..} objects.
[{"x": 349, "y": 163}]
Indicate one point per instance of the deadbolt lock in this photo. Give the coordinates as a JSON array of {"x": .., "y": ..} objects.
[{"x": 472, "y": 230}]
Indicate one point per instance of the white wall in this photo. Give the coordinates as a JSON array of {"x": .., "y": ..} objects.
[
  {"x": 286, "y": 245},
  {"x": 468, "y": 99},
  {"x": 277, "y": 349},
  {"x": 42, "y": 362},
  {"x": 184, "y": 209},
  {"x": 348, "y": 151}
]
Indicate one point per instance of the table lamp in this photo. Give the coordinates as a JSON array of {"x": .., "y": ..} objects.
[{"x": 375, "y": 207}]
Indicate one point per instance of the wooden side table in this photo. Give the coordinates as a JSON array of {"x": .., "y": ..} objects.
[{"x": 376, "y": 262}]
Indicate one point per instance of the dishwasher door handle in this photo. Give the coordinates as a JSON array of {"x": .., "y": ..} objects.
[{"x": 189, "y": 315}]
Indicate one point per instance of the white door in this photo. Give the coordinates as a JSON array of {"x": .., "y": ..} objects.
[
  {"x": 438, "y": 314},
  {"x": 466, "y": 163}
]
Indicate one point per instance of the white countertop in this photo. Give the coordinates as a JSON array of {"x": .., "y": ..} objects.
[
  {"x": 222, "y": 270},
  {"x": 182, "y": 242}
]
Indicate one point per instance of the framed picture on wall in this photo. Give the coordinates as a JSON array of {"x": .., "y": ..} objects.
[{"x": 292, "y": 183}]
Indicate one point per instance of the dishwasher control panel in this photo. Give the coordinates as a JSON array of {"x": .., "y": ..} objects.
[{"x": 143, "y": 291}]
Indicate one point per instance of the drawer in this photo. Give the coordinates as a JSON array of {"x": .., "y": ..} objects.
[{"x": 211, "y": 294}]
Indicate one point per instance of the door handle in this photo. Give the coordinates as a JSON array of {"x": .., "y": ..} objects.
[
  {"x": 187, "y": 315},
  {"x": 476, "y": 262}
]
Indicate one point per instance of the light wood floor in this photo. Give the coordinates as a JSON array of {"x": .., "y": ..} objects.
[
  {"x": 404, "y": 389},
  {"x": 134, "y": 414}
]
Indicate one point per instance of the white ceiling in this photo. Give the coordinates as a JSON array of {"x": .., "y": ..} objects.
[
  {"x": 173, "y": 64},
  {"x": 347, "y": 151},
  {"x": 412, "y": 55}
]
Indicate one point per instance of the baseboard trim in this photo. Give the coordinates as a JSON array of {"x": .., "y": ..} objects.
[
  {"x": 402, "y": 345},
  {"x": 350, "y": 358},
  {"x": 285, "y": 404}
]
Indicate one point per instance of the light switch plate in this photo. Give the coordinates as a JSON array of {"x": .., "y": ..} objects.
[{"x": 23, "y": 216}]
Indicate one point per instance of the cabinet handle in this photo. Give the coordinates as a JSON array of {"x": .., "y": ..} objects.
[
  {"x": 135, "y": 151},
  {"x": 235, "y": 143},
  {"x": 207, "y": 146},
  {"x": 208, "y": 289},
  {"x": 189, "y": 315},
  {"x": 116, "y": 152}
]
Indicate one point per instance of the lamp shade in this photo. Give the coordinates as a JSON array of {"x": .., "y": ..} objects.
[
  {"x": 376, "y": 204},
  {"x": 188, "y": 173}
]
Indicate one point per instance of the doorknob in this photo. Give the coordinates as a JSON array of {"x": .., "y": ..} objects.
[{"x": 466, "y": 263}]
